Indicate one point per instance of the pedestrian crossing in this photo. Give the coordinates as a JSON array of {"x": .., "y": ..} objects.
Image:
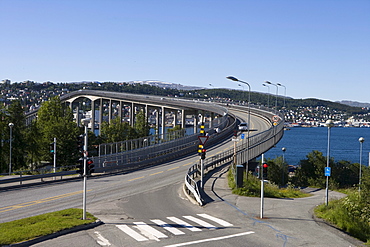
[{"x": 141, "y": 231}]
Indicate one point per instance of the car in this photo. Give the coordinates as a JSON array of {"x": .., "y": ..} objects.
[{"x": 243, "y": 126}]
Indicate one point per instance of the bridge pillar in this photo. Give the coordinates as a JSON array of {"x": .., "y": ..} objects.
[
  {"x": 92, "y": 121},
  {"x": 110, "y": 111},
  {"x": 183, "y": 119},
  {"x": 132, "y": 114},
  {"x": 163, "y": 120},
  {"x": 100, "y": 115},
  {"x": 174, "y": 118},
  {"x": 120, "y": 111}
]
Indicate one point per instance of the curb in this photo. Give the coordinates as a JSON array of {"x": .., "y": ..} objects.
[
  {"x": 189, "y": 197},
  {"x": 56, "y": 234}
]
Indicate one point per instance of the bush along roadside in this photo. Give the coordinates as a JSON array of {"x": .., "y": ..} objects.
[{"x": 351, "y": 214}]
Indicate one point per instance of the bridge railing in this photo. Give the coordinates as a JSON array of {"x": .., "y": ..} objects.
[{"x": 244, "y": 151}]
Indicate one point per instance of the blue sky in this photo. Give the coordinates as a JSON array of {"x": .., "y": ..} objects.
[{"x": 315, "y": 48}]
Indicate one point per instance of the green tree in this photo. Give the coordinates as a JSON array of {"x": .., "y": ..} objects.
[
  {"x": 117, "y": 131},
  {"x": 16, "y": 116},
  {"x": 55, "y": 120},
  {"x": 277, "y": 171},
  {"x": 311, "y": 170},
  {"x": 141, "y": 124}
]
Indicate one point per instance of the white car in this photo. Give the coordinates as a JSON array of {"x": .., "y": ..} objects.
[{"x": 243, "y": 126}]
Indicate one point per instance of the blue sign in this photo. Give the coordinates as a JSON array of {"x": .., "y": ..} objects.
[
  {"x": 327, "y": 171},
  {"x": 242, "y": 136}
]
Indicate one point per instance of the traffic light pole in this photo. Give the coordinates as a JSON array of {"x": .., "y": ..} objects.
[
  {"x": 262, "y": 186},
  {"x": 85, "y": 175},
  {"x": 55, "y": 155}
]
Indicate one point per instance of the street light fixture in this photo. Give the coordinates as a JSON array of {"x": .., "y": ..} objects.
[
  {"x": 281, "y": 85},
  {"x": 268, "y": 95},
  {"x": 329, "y": 123},
  {"x": 249, "y": 113},
  {"x": 277, "y": 90},
  {"x": 361, "y": 140},
  {"x": 10, "y": 147}
]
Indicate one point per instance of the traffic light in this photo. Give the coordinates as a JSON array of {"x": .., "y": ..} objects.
[
  {"x": 80, "y": 166},
  {"x": 80, "y": 144},
  {"x": 90, "y": 166},
  {"x": 202, "y": 132},
  {"x": 203, "y": 155},
  {"x": 200, "y": 148},
  {"x": 265, "y": 170},
  {"x": 52, "y": 148}
]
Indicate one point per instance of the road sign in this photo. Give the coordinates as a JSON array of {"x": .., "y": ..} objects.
[
  {"x": 327, "y": 171},
  {"x": 275, "y": 118},
  {"x": 242, "y": 136},
  {"x": 203, "y": 139}
]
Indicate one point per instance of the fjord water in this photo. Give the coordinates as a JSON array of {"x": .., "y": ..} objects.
[{"x": 344, "y": 144}]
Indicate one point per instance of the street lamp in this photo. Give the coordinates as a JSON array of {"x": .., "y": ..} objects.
[
  {"x": 281, "y": 85},
  {"x": 277, "y": 90},
  {"x": 329, "y": 123},
  {"x": 10, "y": 147},
  {"x": 268, "y": 95},
  {"x": 249, "y": 112},
  {"x": 283, "y": 165},
  {"x": 241, "y": 86},
  {"x": 361, "y": 140}
]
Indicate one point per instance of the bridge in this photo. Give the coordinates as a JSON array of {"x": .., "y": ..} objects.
[{"x": 166, "y": 112}]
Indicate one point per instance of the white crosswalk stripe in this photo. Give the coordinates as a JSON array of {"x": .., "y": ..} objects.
[
  {"x": 200, "y": 222},
  {"x": 132, "y": 233},
  {"x": 168, "y": 227},
  {"x": 184, "y": 224},
  {"x": 140, "y": 231},
  {"x": 149, "y": 231},
  {"x": 217, "y": 220}
]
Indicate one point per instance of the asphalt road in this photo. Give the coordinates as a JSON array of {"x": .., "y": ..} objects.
[{"x": 145, "y": 207}]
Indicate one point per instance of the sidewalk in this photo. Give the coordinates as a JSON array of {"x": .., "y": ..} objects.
[{"x": 291, "y": 218}]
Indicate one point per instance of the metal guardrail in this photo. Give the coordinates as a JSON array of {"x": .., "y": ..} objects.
[
  {"x": 142, "y": 157},
  {"x": 247, "y": 150}
]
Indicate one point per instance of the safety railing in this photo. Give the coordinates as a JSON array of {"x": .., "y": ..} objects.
[{"x": 245, "y": 151}]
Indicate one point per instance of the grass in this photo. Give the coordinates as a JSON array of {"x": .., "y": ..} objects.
[
  {"x": 29, "y": 228},
  {"x": 349, "y": 215},
  {"x": 252, "y": 188}
]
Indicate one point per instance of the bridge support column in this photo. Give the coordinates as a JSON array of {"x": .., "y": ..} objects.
[
  {"x": 92, "y": 121},
  {"x": 100, "y": 115},
  {"x": 110, "y": 111},
  {"x": 163, "y": 125},
  {"x": 183, "y": 119}
]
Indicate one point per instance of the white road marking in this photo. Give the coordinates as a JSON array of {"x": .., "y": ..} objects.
[
  {"x": 210, "y": 239},
  {"x": 131, "y": 233},
  {"x": 201, "y": 222},
  {"x": 149, "y": 231},
  {"x": 102, "y": 240},
  {"x": 168, "y": 227},
  {"x": 184, "y": 224},
  {"x": 217, "y": 220}
]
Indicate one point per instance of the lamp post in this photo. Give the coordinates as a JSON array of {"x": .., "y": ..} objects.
[
  {"x": 268, "y": 95},
  {"x": 283, "y": 165},
  {"x": 281, "y": 85},
  {"x": 329, "y": 123},
  {"x": 10, "y": 146},
  {"x": 249, "y": 114},
  {"x": 361, "y": 140},
  {"x": 277, "y": 90},
  {"x": 85, "y": 123},
  {"x": 241, "y": 87}
]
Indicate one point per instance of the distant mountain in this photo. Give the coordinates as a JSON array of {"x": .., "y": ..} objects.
[
  {"x": 354, "y": 103},
  {"x": 165, "y": 85}
]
